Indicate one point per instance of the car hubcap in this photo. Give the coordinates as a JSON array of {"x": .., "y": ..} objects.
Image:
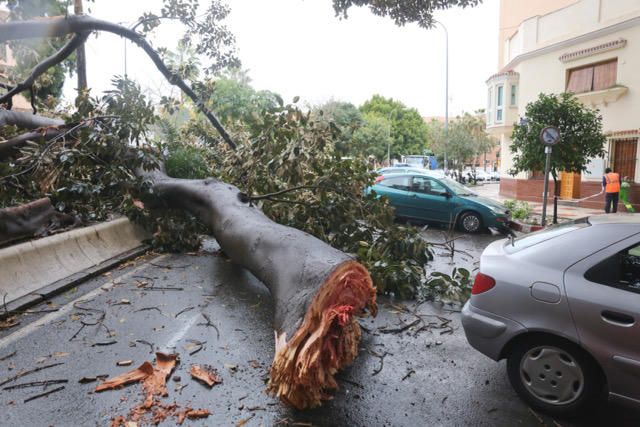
[
  {"x": 471, "y": 223},
  {"x": 551, "y": 375}
]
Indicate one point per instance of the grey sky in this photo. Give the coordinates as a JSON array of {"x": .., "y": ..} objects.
[{"x": 298, "y": 47}]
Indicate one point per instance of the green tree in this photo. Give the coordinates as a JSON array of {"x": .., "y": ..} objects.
[
  {"x": 347, "y": 118},
  {"x": 467, "y": 139},
  {"x": 372, "y": 138},
  {"x": 580, "y": 132},
  {"x": 235, "y": 100},
  {"x": 408, "y": 131},
  {"x": 403, "y": 12}
]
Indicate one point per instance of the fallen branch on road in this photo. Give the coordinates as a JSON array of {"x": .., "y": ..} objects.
[
  {"x": 44, "y": 383},
  {"x": 46, "y": 393},
  {"x": 30, "y": 371}
]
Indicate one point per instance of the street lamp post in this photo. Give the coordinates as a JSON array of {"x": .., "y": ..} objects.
[
  {"x": 446, "y": 92},
  {"x": 389, "y": 137}
]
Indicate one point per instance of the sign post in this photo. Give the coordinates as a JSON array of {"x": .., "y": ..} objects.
[{"x": 549, "y": 136}]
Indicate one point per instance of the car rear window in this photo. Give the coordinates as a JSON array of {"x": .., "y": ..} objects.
[{"x": 528, "y": 240}]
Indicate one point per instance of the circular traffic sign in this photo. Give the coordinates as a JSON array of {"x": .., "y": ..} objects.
[{"x": 550, "y": 136}]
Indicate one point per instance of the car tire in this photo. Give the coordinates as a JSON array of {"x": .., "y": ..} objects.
[
  {"x": 554, "y": 376},
  {"x": 470, "y": 222}
]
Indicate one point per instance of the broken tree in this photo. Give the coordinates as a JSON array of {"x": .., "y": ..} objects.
[{"x": 318, "y": 291}]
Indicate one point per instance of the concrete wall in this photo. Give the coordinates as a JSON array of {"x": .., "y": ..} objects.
[{"x": 29, "y": 266}]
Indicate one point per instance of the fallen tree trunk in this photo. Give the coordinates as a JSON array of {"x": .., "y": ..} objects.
[
  {"x": 318, "y": 291},
  {"x": 29, "y": 220},
  {"x": 24, "y": 120}
]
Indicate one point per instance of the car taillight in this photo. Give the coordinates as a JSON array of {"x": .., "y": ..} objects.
[
  {"x": 482, "y": 283},
  {"x": 379, "y": 178}
]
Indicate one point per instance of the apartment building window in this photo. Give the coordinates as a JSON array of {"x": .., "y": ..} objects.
[
  {"x": 499, "y": 103},
  {"x": 489, "y": 109},
  {"x": 592, "y": 77},
  {"x": 514, "y": 98}
]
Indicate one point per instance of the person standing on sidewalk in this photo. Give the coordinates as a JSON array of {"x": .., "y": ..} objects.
[{"x": 611, "y": 187}]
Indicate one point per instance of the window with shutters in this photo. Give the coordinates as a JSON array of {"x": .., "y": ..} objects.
[
  {"x": 625, "y": 157},
  {"x": 592, "y": 77}
]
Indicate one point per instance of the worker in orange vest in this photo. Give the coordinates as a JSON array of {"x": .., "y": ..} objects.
[{"x": 611, "y": 187}]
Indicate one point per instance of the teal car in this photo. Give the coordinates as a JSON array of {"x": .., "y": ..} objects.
[{"x": 422, "y": 197}]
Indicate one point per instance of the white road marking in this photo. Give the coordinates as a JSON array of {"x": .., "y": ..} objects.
[
  {"x": 171, "y": 344},
  {"x": 65, "y": 309}
]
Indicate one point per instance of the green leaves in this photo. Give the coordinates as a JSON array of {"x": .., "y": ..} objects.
[
  {"x": 403, "y": 12},
  {"x": 580, "y": 129},
  {"x": 405, "y": 129},
  {"x": 453, "y": 288}
]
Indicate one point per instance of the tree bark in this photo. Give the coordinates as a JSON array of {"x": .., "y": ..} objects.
[
  {"x": 318, "y": 291},
  {"x": 29, "y": 220},
  {"x": 26, "y": 120},
  {"x": 9, "y": 147}
]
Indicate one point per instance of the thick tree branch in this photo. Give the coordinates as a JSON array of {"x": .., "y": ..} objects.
[
  {"x": 26, "y": 120},
  {"x": 61, "y": 26},
  {"x": 42, "y": 67},
  {"x": 30, "y": 219},
  {"x": 318, "y": 291},
  {"x": 7, "y": 147}
]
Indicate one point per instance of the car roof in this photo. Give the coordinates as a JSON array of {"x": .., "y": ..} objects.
[
  {"x": 426, "y": 172},
  {"x": 620, "y": 218}
]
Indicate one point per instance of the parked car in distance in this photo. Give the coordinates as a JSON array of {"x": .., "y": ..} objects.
[
  {"x": 562, "y": 305},
  {"x": 424, "y": 197}
]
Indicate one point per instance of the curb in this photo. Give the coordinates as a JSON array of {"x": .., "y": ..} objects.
[
  {"x": 524, "y": 228},
  {"x": 67, "y": 283},
  {"x": 32, "y": 269}
]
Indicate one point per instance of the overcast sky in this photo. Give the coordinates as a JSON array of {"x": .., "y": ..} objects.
[{"x": 298, "y": 47}]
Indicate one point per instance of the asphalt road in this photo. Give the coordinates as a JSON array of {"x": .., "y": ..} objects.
[{"x": 423, "y": 375}]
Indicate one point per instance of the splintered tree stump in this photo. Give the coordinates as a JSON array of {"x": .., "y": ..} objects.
[
  {"x": 318, "y": 291},
  {"x": 29, "y": 220}
]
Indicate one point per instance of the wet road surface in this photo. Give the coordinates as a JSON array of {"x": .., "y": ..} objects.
[{"x": 423, "y": 375}]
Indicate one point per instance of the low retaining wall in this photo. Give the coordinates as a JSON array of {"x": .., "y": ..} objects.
[
  {"x": 27, "y": 267},
  {"x": 531, "y": 191}
]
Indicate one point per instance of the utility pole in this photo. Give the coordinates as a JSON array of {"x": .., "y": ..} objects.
[{"x": 81, "y": 61}]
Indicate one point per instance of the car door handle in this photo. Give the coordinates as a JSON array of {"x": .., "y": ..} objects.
[
  {"x": 413, "y": 195},
  {"x": 618, "y": 319}
]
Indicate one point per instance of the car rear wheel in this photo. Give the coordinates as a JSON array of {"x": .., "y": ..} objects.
[
  {"x": 470, "y": 222},
  {"x": 554, "y": 376}
]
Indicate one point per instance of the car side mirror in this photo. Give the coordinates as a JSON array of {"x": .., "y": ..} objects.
[{"x": 446, "y": 194}]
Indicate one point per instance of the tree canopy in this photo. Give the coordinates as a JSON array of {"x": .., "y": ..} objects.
[
  {"x": 580, "y": 129},
  {"x": 408, "y": 130},
  {"x": 403, "y": 12},
  {"x": 467, "y": 139}
]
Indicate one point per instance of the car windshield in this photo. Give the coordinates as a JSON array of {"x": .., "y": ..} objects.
[
  {"x": 528, "y": 240},
  {"x": 457, "y": 188}
]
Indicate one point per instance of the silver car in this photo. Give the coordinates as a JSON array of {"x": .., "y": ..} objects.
[{"x": 562, "y": 305}]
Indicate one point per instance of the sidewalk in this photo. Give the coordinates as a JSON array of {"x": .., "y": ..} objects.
[{"x": 491, "y": 190}]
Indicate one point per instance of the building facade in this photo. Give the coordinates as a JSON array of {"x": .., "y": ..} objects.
[{"x": 589, "y": 47}]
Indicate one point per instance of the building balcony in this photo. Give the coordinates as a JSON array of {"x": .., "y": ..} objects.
[{"x": 602, "y": 97}]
